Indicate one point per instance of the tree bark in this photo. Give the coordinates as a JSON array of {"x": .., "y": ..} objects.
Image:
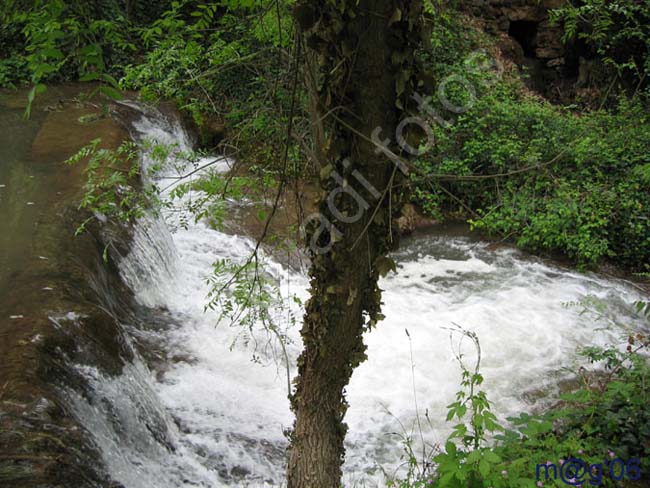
[{"x": 364, "y": 55}]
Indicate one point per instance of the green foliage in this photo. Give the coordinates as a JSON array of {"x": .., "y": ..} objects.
[
  {"x": 544, "y": 177},
  {"x": 250, "y": 299},
  {"x": 12, "y": 69},
  {"x": 242, "y": 291},
  {"x": 225, "y": 63},
  {"x": 209, "y": 194},
  {"x": 112, "y": 189},
  {"x": 518, "y": 168},
  {"x": 643, "y": 308},
  {"x": 613, "y": 409},
  {"x": 64, "y": 40},
  {"x": 467, "y": 460},
  {"x": 618, "y": 31},
  {"x": 450, "y": 39},
  {"x": 13, "y": 66},
  {"x": 465, "y": 465},
  {"x": 608, "y": 417},
  {"x": 236, "y": 71}
]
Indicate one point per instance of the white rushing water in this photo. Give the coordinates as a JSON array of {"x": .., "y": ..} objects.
[{"x": 224, "y": 414}]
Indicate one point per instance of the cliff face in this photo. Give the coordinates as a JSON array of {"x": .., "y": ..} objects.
[
  {"x": 527, "y": 36},
  {"x": 526, "y": 23}
]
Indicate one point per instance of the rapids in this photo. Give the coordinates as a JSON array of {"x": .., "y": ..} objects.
[{"x": 203, "y": 414}]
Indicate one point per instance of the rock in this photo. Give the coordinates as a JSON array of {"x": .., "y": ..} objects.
[
  {"x": 212, "y": 132},
  {"x": 498, "y": 17},
  {"x": 527, "y": 38},
  {"x": 551, "y": 4},
  {"x": 549, "y": 53},
  {"x": 556, "y": 63},
  {"x": 531, "y": 13},
  {"x": 77, "y": 322},
  {"x": 411, "y": 220},
  {"x": 63, "y": 133}
]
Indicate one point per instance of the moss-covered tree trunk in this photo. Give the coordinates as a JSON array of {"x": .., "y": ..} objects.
[{"x": 362, "y": 71}]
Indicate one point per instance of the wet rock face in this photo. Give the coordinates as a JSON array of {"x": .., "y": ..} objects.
[
  {"x": 62, "y": 305},
  {"x": 526, "y": 34}
]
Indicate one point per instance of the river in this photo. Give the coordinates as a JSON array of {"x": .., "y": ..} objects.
[{"x": 192, "y": 409}]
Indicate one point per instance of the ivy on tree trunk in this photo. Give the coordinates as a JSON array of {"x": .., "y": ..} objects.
[{"x": 361, "y": 62}]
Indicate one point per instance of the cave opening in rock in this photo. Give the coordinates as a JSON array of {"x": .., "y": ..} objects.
[{"x": 525, "y": 33}]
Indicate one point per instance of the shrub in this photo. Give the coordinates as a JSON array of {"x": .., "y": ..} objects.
[
  {"x": 617, "y": 31},
  {"x": 577, "y": 184}
]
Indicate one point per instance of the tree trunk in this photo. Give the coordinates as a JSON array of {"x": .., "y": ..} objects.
[{"x": 363, "y": 75}]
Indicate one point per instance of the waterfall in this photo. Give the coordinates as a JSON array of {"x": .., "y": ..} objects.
[{"x": 203, "y": 414}]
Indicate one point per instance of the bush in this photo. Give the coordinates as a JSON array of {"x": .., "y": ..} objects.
[
  {"x": 232, "y": 72},
  {"x": 566, "y": 182},
  {"x": 617, "y": 31},
  {"x": 577, "y": 184}
]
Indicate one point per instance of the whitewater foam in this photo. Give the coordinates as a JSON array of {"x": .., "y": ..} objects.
[{"x": 230, "y": 413}]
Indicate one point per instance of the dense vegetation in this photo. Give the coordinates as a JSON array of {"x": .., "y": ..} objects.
[
  {"x": 574, "y": 181},
  {"x": 569, "y": 179},
  {"x": 222, "y": 62},
  {"x": 228, "y": 64}
]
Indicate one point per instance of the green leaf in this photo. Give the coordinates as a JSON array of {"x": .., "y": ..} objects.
[
  {"x": 450, "y": 447},
  {"x": 36, "y": 89},
  {"x": 111, "y": 92},
  {"x": 484, "y": 467},
  {"x": 474, "y": 456},
  {"x": 492, "y": 457}
]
